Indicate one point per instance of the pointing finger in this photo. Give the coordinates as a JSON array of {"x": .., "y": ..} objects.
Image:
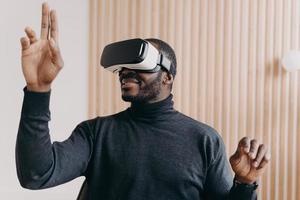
[
  {"x": 25, "y": 43},
  {"x": 244, "y": 145},
  {"x": 45, "y": 21}
]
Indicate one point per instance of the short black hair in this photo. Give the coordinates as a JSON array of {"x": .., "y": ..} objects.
[{"x": 165, "y": 49}]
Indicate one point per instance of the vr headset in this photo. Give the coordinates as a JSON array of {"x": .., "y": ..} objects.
[{"x": 136, "y": 54}]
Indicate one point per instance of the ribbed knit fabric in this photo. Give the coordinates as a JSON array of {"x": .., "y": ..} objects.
[{"x": 147, "y": 152}]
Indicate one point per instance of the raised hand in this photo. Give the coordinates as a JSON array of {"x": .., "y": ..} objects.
[
  {"x": 249, "y": 161},
  {"x": 41, "y": 58}
]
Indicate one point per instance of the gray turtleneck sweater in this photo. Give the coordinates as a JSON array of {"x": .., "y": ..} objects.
[{"x": 147, "y": 152}]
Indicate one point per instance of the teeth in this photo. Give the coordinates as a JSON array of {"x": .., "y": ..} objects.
[{"x": 129, "y": 80}]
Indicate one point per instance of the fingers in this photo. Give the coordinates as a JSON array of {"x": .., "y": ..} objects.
[
  {"x": 265, "y": 161},
  {"x": 253, "y": 149},
  {"x": 259, "y": 154},
  {"x": 262, "y": 156},
  {"x": 54, "y": 26},
  {"x": 49, "y": 23},
  {"x": 31, "y": 35},
  {"x": 45, "y": 21},
  {"x": 25, "y": 43},
  {"x": 55, "y": 53}
]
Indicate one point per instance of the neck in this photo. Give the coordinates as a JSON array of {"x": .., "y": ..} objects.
[
  {"x": 154, "y": 110},
  {"x": 155, "y": 100}
]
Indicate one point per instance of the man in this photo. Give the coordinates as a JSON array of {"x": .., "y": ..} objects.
[{"x": 148, "y": 151}]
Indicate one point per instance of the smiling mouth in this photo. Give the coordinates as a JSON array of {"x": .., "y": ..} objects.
[{"x": 126, "y": 81}]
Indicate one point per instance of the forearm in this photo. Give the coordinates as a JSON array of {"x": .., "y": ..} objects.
[
  {"x": 41, "y": 164},
  {"x": 220, "y": 183},
  {"x": 34, "y": 156}
]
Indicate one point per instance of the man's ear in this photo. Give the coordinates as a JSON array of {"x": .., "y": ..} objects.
[{"x": 168, "y": 78}]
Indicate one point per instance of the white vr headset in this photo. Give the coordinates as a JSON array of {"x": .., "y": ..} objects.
[{"x": 136, "y": 54}]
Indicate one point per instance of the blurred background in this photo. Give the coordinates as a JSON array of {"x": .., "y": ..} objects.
[
  {"x": 69, "y": 99},
  {"x": 230, "y": 75}
]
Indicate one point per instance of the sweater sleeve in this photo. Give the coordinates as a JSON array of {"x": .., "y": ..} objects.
[
  {"x": 40, "y": 163},
  {"x": 219, "y": 181}
]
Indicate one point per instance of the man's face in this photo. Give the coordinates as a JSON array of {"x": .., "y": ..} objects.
[{"x": 140, "y": 87}]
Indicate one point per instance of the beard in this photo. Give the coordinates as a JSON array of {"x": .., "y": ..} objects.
[{"x": 146, "y": 93}]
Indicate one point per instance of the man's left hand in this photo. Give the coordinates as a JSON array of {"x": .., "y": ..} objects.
[{"x": 249, "y": 161}]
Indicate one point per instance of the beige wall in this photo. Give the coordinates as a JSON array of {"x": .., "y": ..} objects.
[
  {"x": 229, "y": 71},
  {"x": 69, "y": 92}
]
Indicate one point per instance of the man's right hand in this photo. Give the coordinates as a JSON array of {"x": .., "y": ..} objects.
[{"x": 41, "y": 58}]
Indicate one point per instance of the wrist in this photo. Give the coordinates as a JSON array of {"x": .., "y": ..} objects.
[
  {"x": 38, "y": 88},
  {"x": 251, "y": 186},
  {"x": 243, "y": 180}
]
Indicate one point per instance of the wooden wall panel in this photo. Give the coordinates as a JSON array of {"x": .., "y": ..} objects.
[{"x": 229, "y": 71}]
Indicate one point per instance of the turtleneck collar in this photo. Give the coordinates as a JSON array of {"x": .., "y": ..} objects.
[{"x": 158, "y": 110}]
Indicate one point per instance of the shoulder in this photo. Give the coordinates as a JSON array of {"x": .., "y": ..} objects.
[
  {"x": 198, "y": 127},
  {"x": 209, "y": 141},
  {"x": 97, "y": 123}
]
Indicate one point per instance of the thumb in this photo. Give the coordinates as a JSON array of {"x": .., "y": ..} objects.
[{"x": 55, "y": 53}]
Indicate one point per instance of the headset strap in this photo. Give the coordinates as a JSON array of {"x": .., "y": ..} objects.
[{"x": 164, "y": 61}]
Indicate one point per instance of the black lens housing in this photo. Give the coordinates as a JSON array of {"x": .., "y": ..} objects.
[{"x": 124, "y": 52}]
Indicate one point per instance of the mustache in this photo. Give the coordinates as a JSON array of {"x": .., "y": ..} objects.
[{"x": 130, "y": 74}]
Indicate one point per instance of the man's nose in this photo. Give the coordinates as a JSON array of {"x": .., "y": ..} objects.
[{"x": 125, "y": 70}]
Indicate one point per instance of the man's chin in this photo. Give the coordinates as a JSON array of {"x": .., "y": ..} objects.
[
  {"x": 128, "y": 98},
  {"x": 134, "y": 98}
]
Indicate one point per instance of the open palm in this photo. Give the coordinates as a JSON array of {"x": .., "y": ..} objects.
[{"x": 41, "y": 58}]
